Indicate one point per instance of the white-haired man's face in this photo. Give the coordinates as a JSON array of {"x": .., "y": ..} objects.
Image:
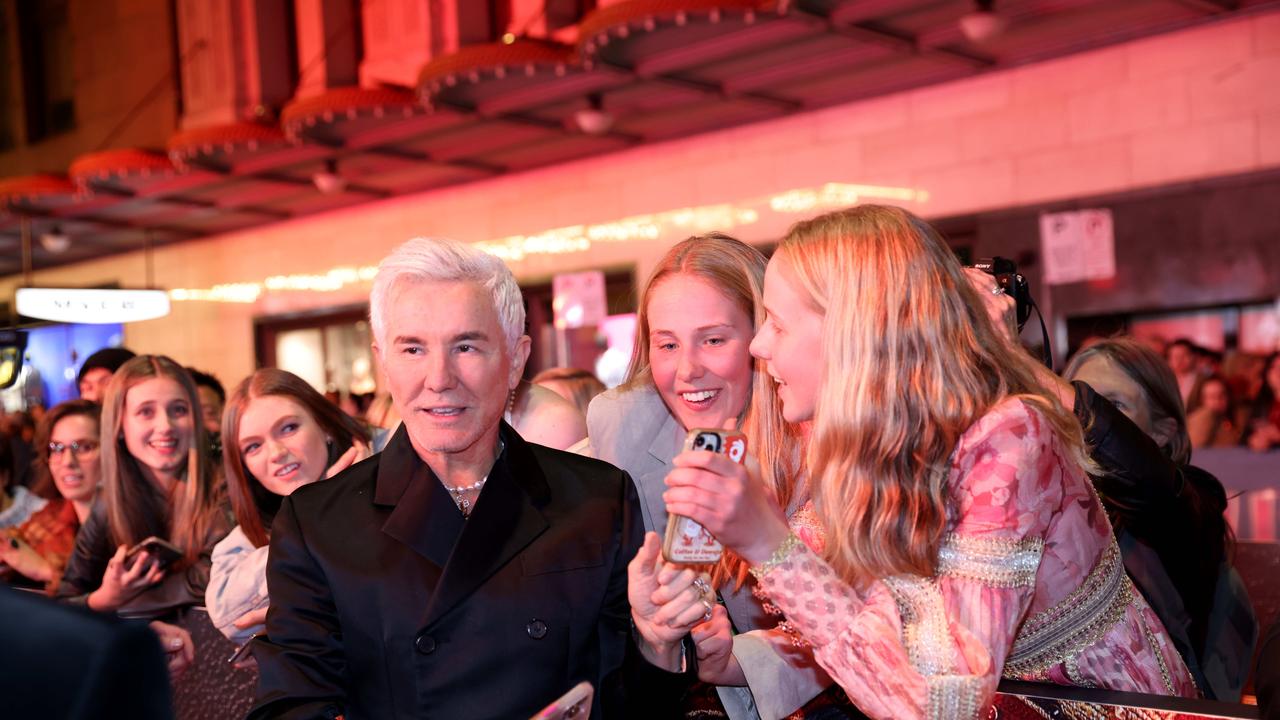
[{"x": 448, "y": 365}]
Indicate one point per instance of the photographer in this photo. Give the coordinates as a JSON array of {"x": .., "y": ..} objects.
[{"x": 1168, "y": 516}]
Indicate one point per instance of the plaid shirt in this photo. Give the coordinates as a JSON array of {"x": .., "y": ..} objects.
[{"x": 51, "y": 532}]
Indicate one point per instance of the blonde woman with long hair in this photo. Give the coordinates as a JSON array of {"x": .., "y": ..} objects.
[
  {"x": 157, "y": 480},
  {"x": 961, "y": 539},
  {"x": 691, "y": 367}
]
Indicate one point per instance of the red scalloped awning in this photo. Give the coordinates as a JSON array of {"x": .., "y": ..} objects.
[
  {"x": 623, "y": 13},
  {"x": 186, "y": 143},
  {"x": 492, "y": 56},
  {"x": 344, "y": 101},
  {"x": 35, "y": 185},
  {"x": 118, "y": 163}
]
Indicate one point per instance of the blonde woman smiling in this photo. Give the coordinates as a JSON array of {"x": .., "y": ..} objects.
[{"x": 961, "y": 538}]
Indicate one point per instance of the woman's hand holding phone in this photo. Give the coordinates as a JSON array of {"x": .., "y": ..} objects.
[
  {"x": 126, "y": 576},
  {"x": 729, "y": 500}
]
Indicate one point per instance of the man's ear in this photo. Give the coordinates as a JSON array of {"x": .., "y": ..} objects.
[
  {"x": 1163, "y": 430},
  {"x": 518, "y": 359}
]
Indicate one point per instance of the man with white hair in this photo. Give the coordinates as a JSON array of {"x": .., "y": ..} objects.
[{"x": 462, "y": 572}]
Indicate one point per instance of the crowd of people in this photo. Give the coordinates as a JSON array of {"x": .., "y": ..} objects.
[{"x": 924, "y": 508}]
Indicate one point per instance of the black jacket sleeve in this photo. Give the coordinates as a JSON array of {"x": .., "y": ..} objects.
[
  {"x": 1178, "y": 512},
  {"x": 635, "y": 688},
  {"x": 301, "y": 664},
  {"x": 1138, "y": 483}
]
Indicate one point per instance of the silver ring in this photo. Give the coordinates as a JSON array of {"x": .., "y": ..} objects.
[
  {"x": 706, "y": 616},
  {"x": 997, "y": 290},
  {"x": 703, "y": 586}
]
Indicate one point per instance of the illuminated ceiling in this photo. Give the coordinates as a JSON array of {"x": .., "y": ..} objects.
[{"x": 660, "y": 72}]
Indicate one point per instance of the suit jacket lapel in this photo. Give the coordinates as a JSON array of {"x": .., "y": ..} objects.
[
  {"x": 423, "y": 515},
  {"x": 506, "y": 518},
  {"x": 668, "y": 441}
]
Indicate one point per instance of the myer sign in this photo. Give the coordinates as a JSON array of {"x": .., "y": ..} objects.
[{"x": 92, "y": 306}]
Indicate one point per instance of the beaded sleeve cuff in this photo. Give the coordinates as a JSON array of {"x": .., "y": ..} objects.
[{"x": 784, "y": 550}]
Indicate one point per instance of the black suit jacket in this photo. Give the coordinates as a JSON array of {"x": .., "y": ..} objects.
[
  {"x": 63, "y": 662},
  {"x": 385, "y": 603}
]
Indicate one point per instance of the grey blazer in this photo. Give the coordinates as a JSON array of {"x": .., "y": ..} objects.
[{"x": 635, "y": 431}]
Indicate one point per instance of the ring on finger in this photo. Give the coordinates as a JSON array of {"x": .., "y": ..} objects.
[
  {"x": 703, "y": 586},
  {"x": 997, "y": 290},
  {"x": 706, "y": 615}
]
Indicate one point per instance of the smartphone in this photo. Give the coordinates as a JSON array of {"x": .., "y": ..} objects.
[
  {"x": 686, "y": 541},
  {"x": 574, "y": 704},
  {"x": 243, "y": 650},
  {"x": 336, "y": 450},
  {"x": 164, "y": 552}
]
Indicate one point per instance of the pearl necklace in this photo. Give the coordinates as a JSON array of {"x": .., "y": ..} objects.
[{"x": 458, "y": 493}]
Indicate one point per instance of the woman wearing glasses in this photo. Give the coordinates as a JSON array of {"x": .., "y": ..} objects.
[{"x": 69, "y": 469}]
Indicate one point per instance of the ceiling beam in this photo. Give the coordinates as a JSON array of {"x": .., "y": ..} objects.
[
  {"x": 899, "y": 42},
  {"x": 1212, "y": 6},
  {"x": 193, "y": 202},
  {"x": 719, "y": 90},
  {"x": 762, "y": 35},
  {"x": 113, "y": 223},
  {"x": 858, "y": 11},
  {"x": 950, "y": 33}
]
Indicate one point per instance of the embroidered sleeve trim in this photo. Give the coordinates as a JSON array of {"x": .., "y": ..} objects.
[
  {"x": 1057, "y": 635},
  {"x": 927, "y": 638},
  {"x": 954, "y": 696},
  {"x": 991, "y": 561},
  {"x": 924, "y": 623}
]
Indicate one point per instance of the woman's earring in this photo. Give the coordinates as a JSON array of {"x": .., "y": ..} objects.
[{"x": 328, "y": 441}]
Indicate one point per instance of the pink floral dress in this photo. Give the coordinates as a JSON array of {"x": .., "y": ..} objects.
[{"x": 1029, "y": 585}]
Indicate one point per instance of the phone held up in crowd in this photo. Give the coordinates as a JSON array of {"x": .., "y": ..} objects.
[{"x": 686, "y": 541}]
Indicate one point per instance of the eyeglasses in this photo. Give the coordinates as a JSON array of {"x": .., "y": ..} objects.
[{"x": 79, "y": 449}]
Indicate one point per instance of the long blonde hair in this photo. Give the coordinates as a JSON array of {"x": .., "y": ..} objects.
[
  {"x": 910, "y": 361},
  {"x": 737, "y": 270},
  {"x": 136, "y": 508}
]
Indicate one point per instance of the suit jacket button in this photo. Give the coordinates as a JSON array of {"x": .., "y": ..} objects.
[
  {"x": 536, "y": 629},
  {"x": 425, "y": 644}
]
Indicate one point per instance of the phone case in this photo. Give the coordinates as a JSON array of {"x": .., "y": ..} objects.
[
  {"x": 574, "y": 704},
  {"x": 686, "y": 541},
  {"x": 162, "y": 550}
]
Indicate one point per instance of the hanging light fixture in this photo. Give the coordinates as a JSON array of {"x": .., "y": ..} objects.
[
  {"x": 328, "y": 181},
  {"x": 55, "y": 241},
  {"x": 593, "y": 119},
  {"x": 984, "y": 24}
]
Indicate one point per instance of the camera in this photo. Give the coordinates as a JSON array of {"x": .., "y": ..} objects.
[{"x": 1005, "y": 271}]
